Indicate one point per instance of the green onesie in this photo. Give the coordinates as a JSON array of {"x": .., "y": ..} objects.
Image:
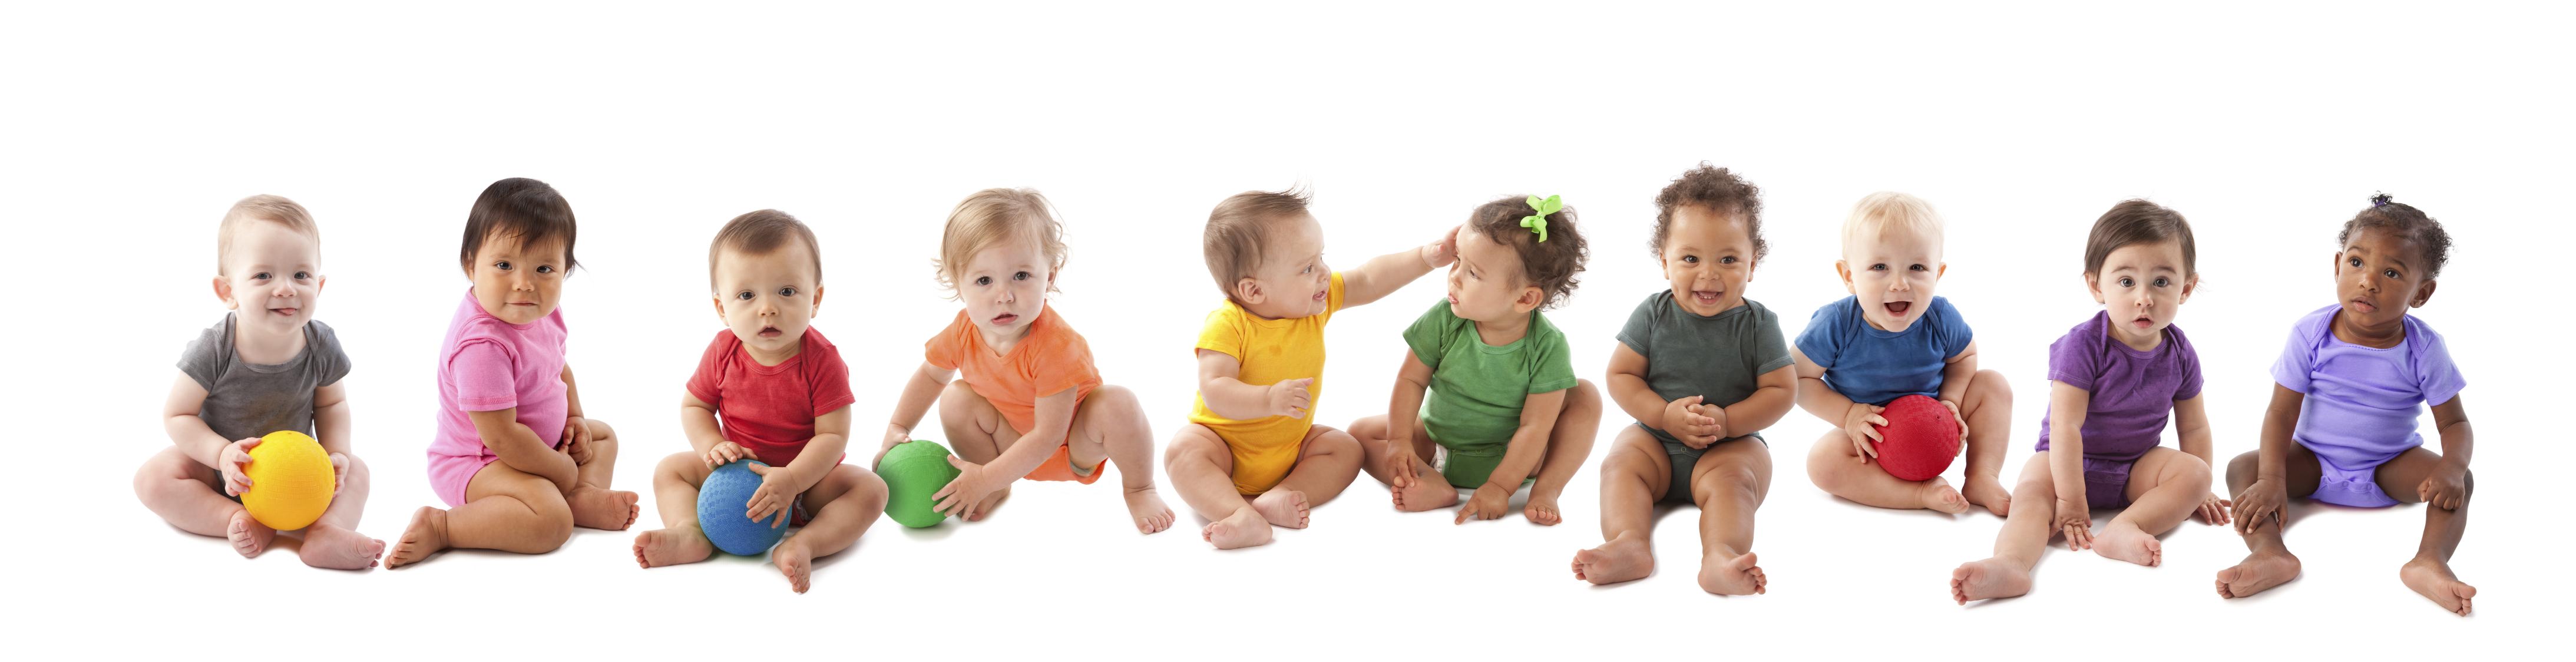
[{"x": 1477, "y": 389}]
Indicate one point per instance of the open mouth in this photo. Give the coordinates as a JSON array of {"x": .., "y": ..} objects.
[
  {"x": 1319, "y": 294},
  {"x": 769, "y": 332},
  {"x": 1898, "y": 308},
  {"x": 1707, "y": 297},
  {"x": 1005, "y": 319},
  {"x": 2142, "y": 322}
]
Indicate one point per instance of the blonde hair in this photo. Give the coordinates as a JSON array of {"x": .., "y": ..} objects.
[
  {"x": 992, "y": 216},
  {"x": 271, "y": 208},
  {"x": 1237, "y": 228},
  {"x": 1887, "y": 210},
  {"x": 762, "y": 233}
]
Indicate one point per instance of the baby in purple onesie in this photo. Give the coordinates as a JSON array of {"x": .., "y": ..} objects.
[{"x": 2358, "y": 374}]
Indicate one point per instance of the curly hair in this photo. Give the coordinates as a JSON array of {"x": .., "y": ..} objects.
[
  {"x": 1716, "y": 189},
  {"x": 1550, "y": 265},
  {"x": 2408, "y": 223}
]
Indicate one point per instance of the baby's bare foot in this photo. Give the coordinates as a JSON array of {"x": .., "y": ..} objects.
[
  {"x": 1732, "y": 575},
  {"x": 1244, "y": 528},
  {"x": 796, "y": 562},
  {"x": 327, "y": 546},
  {"x": 2125, "y": 541},
  {"x": 672, "y": 546},
  {"x": 249, "y": 537},
  {"x": 1147, "y": 508},
  {"x": 1542, "y": 508},
  {"x": 602, "y": 508},
  {"x": 426, "y": 535},
  {"x": 1287, "y": 507},
  {"x": 2258, "y": 572},
  {"x": 1624, "y": 558},
  {"x": 1937, "y": 495},
  {"x": 2433, "y": 580},
  {"x": 1425, "y": 494},
  {"x": 1988, "y": 492},
  {"x": 1988, "y": 579}
]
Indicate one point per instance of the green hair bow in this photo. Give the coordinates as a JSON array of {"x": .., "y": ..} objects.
[{"x": 1538, "y": 223}]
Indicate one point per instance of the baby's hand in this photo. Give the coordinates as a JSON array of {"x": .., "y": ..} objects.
[
  {"x": 967, "y": 491},
  {"x": 1963, "y": 426},
  {"x": 2447, "y": 487},
  {"x": 1859, "y": 423},
  {"x": 2258, "y": 504},
  {"x": 1683, "y": 420},
  {"x": 893, "y": 436},
  {"x": 1399, "y": 454},
  {"x": 1289, "y": 397},
  {"x": 774, "y": 496},
  {"x": 1440, "y": 253},
  {"x": 1489, "y": 503},
  {"x": 230, "y": 460},
  {"x": 576, "y": 439},
  {"x": 724, "y": 453},
  {"x": 339, "y": 473},
  {"x": 2213, "y": 509},
  {"x": 2075, "y": 519}
]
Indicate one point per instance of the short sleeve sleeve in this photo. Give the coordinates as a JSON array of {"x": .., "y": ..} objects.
[
  {"x": 1551, "y": 364},
  {"x": 1953, "y": 328},
  {"x": 1770, "y": 350},
  {"x": 330, "y": 362},
  {"x": 827, "y": 379},
  {"x": 2190, "y": 360},
  {"x": 945, "y": 350},
  {"x": 2295, "y": 370},
  {"x": 706, "y": 384},
  {"x": 1224, "y": 331},
  {"x": 2438, "y": 378},
  {"x": 1429, "y": 336},
  {"x": 1333, "y": 296},
  {"x": 2076, "y": 358},
  {"x": 486, "y": 376},
  {"x": 1639, "y": 333},
  {"x": 203, "y": 360},
  {"x": 1822, "y": 340}
]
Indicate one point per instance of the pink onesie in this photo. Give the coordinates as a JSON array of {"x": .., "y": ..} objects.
[{"x": 486, "y": 365}]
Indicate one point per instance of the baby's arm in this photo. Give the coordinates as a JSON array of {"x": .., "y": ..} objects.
[
  {"x": 2066, "y": 410},
  {"x": 918, "y": 395},
  {"x": 1520, "y": 458},
  {"x": 1770, "y": 400},
  {"x": 1228, "y": 396},
  {"x": 516, "y": 445},
  {"x": 704, "y": 434},
  {"x": 1385, "y": 274},
  {"x": 199, "y": 442},
  {"x": 1956, "y": 372},
  {"x": 974, "y": 481},
  {"x": 331, "y": 428},
  {"x": 1403, "y": 409},
  {"x": 1682, "y": 418},
  {"x": 2261, "y": 502},
  {"x": 2191, "y": 424},
  {"x": 1855, "y": 418},
  {"x": 2448, "y": 486},
  {"x": 780, "y": 485}
]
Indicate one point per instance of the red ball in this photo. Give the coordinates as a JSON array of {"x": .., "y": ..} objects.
[{"x": 1920, "y": 438}]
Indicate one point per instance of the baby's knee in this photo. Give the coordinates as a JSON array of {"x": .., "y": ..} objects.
[
  {"x": 1992, "y": 386},
  {"x": 1332, "y": 441},
  {"x": 678, "y": 465},
  {"x": 2190, "y": 472},
  {"x": 2240, "y": 471},
  {"x": 553, "y": 520},
  {"x": 356, "y": 474},
  {"x": 1733, "y": 482},
  {"x": 2468, "y": 485},
  {"x": 1583, "y": 397},
  {"x": 866, "y": 488},
  {"x": 958, "y": 400},
  {"x": 603, "y": 439},
  {"x": 1192, "y": 444}
]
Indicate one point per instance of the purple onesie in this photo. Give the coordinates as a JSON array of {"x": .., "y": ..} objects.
[
  {"x": 2132, "y": 394},
  {"x": 2362, "y": 402}
]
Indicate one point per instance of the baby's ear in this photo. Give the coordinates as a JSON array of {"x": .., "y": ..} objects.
[
  {"x": 1248, "y": 290},
  {"x": 818, "y": 300},
  {"x": 1531, "y": 298},
  {"x": 1942, "y": 270},
  {"x": 224, "y": 292},
  {"x": 1843, "y": 268},
  {"x": 2423, "y": 294},
  {"x": 2093, "y": 284}
]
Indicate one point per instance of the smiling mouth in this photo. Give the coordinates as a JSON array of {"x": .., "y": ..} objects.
[
  {"x": 1706, "y": 297},
  {"x": 1319, "y": 294},
  {"x": 1898, "y": 308}
]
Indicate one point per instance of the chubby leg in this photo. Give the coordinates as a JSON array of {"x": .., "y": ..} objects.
[
  {"x": 1202, "y": 470},
  {"x": 978, "y": 433},
  {"x": 2018, "y": 546},
  {"x": 2429, "y": 573},
  {"x": 1569, "y": 444},
  {"x": 505, "y": 509},
  {"x": 2271, "y": 563},
  {"x": 1988, "y": 407},
  {"x": 843, "y": 504},
  {"x": 1429, "y": 493},
  {"x": 1112, "y": 424},
  {"x": 1636, "y": 474},
  {"x": 1729, "y": 483},
  {"x": 1839, "y": 471},
  {"x": 1327, "y": 461},
  {"x": 2165, "y": 487},
  {"x": 333, "y": 541},
  {"x": 190, "y": 496},
  {"x": 594, "y": 505},
  {"x": 675, "y": 497}
]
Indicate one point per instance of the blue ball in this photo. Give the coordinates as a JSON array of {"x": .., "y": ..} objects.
[{"x": 724, "y": 519}]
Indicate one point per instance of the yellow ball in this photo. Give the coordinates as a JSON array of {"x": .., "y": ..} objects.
[{"x": 290, "y": 481}]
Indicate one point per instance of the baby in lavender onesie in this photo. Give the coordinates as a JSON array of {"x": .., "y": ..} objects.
[
  {"x": 2348, "y": 389},
  {"x": 2113, "y": 382}
]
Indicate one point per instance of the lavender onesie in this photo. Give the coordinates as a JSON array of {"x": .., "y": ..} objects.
[{"x": 2362, "y": 402}]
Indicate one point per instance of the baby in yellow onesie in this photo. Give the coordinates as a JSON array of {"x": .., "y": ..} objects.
[{"x": 1251, "y": 457}]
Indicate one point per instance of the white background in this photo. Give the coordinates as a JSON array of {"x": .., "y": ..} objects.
[{"x": 129, "y": 130}]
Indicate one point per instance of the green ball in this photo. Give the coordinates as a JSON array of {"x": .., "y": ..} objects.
[{"x": 913, "y": 471}]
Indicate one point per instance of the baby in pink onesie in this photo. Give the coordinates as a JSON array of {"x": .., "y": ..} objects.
[{"x": 513, "y": 457}]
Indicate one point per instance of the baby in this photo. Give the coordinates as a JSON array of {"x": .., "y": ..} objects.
[
  {"x": 1893, "y": 338},
  {"x": 1027, "y": 401},
  {"x": 512, "y": 454},
  {"x": 1702, "y": 370},
  {"x": 2347, "y": 390},
  {"x": 767, "y": 388},
  {"x": 2113, "y": 382},
  {"x": 254, "y": 373},
  {"x": 1504, "y": 406},
  {"x": 1260, "y": 357}
]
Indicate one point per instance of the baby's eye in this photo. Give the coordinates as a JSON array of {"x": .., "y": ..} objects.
[
  {"x": 303, "y": 275},
  {"x": 2161, "y": 282},
  {"x": 1917, "y": 267},
  {"x": 1690, "y": 259},
  {"x": 1726, "y": 260},
  {"x": 1878, "y": 267},
  {"x": 259, "y": 276},
  {"x": 2354, "y": 261},
  {"x": 983, "y": 280},
  {"x": 1308, "y": 270},
  {"x": 545, "y": 268},
  {"x": 744, "y": 295},
  {"x": 786, "y": 291},
  {"x": 2126, "y": 281},
  {"x": 503, "y": 265},
  {"x": 1019, "y": 275},
  {"x": 2390, "y": 273}
]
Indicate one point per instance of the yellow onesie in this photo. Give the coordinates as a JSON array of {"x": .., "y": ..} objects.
[{"x": 1271, "y": 351}]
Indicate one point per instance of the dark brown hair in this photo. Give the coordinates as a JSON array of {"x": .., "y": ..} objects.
[
  {"x": 761, "y": 233},
  {"x": 522, "y": 208},
  {"x": 2409, "y": 224},
  {"x": 2134, "y": 222},
  {"x": 1716, "y": 189},
  {"x": 1238, "y": 226},
  {"x": 1551, "y": 265}
]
